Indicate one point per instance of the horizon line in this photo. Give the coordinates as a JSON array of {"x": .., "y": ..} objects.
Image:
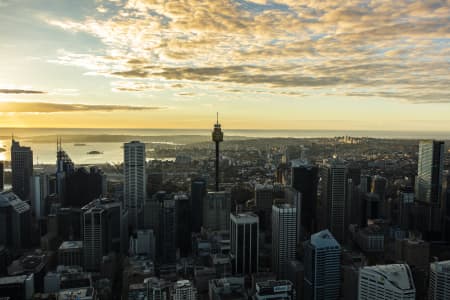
[{"x": 225, "y": 129}]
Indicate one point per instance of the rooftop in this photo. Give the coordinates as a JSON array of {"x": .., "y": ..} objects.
[
  {"x": 245, "y": 217},
  {"x": 397, "y": 274},
  {"x": 441, "y": 266},
  {"x": 75, "y": 293},
  {"x": 324, "y": 238},
  {"x": 71, "y": 245},
  {"x": 8, "y": 198},
  {"x": 12, "y": 279}
]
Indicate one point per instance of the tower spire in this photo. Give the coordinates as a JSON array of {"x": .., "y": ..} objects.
[{"x": 217, "y": 137}]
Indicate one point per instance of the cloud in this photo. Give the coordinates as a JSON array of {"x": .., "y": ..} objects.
[
  {"x": 20, "y": 91},
  {"x": 385, "y": 47},
  {"x": 47, "y": 107}
]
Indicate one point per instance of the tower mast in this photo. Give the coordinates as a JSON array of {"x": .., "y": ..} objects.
[{"x": 217, "y": 137}]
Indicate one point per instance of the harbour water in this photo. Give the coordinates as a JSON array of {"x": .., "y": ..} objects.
[{"x": 109, "y": 141}]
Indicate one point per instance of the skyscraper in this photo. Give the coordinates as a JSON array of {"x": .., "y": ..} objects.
[
  {"x": 244, "y": 229},
  {"x": 305, "y": 179},
  {"x": 2, "y": 169},
  {"x": 334, "y": 187},
  {"x": 217, "y": 137},
  {"x": 64, "y": 167},
  {"x": 135, "y": 181},
  {"x": 183, "y": 223},
  {"x": 39, "y": 193},
  {"x": 15, "y": 221},
  {"x": 167, "y": 235},
  {"x": 429, "y": 171},
  {"x": 21, "y": 169},
  {"x": 198, "y": 195},
  {"x": 102, "y": 228},
  {"x": 216, "y": 211},
  {"x": 439, "y": 287},
  {"x": 184, "y": 290},
  {"x": 387, "y": 282},
  {"x": 284, "y": 237},
  {"x": 264, "y": 200},
  {"x": 322, "y": 261}
]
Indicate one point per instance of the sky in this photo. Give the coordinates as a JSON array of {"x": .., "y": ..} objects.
[{"x": 262, "y": 64}]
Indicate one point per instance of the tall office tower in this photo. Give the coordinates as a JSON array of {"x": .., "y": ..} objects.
[
  {"x": 216, "y": 211},
  {"x": 83, "y": 186},
  {"x": 217, "y": 137},
  {"x": 102, "y": 228},
  {"x": 184, "y": 290},
  {"x": 354, "y": 173},
  {"x": 244, "y": 229},
  {"x": 183, "y": 218},
  {"x": 406, "y": 201},
  {"x": 135, "y": 181},
  {"x": 39, "y": 192},
  {"x": 446, "y": 211},
  {"x": 167, "y": 235},
  {"x": 334, "y": 193},
  {"x": 264, "y": 202},
  {"x": 365, "y": 183},
  {"x": 15, "y": 221},
  {"x": 198, "y": 195},
  {"x": 64, "y": 167},
  {"x": 439, "y": 287},
  {"x": 379, "y": 186},
  {"x": 21, "y": 170},
  {"x": 355, "y": 207},
  {"x": 294, "y": 197},
  {"x": 284, "y": 237},
  {"x": 2, "y": 169},
  {"x": 157, "y": 289},
  {"x": 305, "y": 179},
  {"x": 322, "y": 261},
  {"x": 429, "y": 172},
  {"x": 386, "y": 282}
]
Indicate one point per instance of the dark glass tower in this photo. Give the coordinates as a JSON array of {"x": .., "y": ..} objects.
[
  {"x": 198, "y": 195},
  {"x": 22, "y": 169},
  {"x": 429, "y": 172},
  {"x": 2, "y": 168},
  {"x": 305, "y": 179}
]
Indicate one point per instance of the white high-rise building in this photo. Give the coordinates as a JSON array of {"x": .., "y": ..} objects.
[
  {"x": 284, "y": 237},
  {"x": 244, "y": 228},
  {"x": 429, "y": 171},
  {"x": 334, "y": 185},
  {"x": 322, "y": 263},
  {"x": 386, "y": 282},
  {"x": 135, "y": 180},
  {"x": 184, "y": 290},
  {"x": 439, "y": 288}
]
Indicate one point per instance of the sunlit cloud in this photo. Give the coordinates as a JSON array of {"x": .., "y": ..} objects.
[
  {"x": 389, "y": 45},
  {"x": 47, "y": 107},
  {"x": 20, "y": 91}
]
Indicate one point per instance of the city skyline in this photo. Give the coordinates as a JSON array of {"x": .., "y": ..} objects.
[{"x": 263, "y": 64}]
